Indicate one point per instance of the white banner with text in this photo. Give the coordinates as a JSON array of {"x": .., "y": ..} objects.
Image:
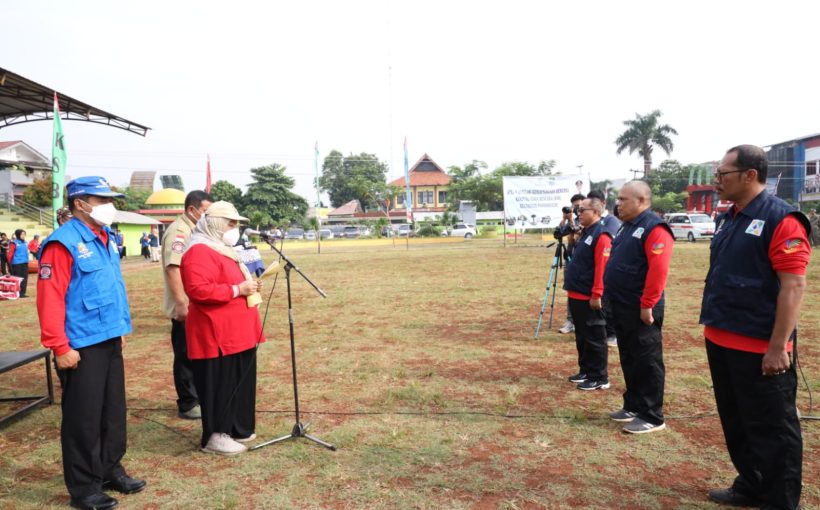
[{"x": 536, "y": 202}]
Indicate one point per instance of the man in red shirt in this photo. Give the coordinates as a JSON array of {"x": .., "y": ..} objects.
[
  {"x": 635, "y": 278},
  {"x": 584, "y": 284},
  {"x": 751, "y": 303}
]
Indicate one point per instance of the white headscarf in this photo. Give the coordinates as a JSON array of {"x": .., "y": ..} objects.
[{"x": 208, "y": 231}]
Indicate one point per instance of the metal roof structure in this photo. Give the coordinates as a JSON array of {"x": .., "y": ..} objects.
[{"x": 22, "y": 100}]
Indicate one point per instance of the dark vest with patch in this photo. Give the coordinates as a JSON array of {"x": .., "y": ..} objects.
[
  {"x": 611, "y": 224},
  {"x": 625, "y": 274},
  {"x": 741, "y": 286},
  {"x": 580, "y": 275}
]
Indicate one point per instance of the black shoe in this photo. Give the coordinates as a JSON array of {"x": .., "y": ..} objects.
[
  {"x": 96, "y": 501},
  {"x": 732, "y": 497},
  {"x": 124, "y": 484},
  {"x": 577, "y": 378}
]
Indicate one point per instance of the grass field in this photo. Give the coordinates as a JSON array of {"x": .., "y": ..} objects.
[{"x": 421, "y": 368}]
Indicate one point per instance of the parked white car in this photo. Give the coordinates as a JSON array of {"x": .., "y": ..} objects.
[
  {"x": 691, "y": 226},
  {"x": 464, "y": 230}
]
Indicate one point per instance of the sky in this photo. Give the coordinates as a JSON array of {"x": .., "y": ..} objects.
[{"x": 258, "y": 82}]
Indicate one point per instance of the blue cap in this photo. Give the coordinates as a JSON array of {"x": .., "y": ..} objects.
[{"x": 91, "y": 185}]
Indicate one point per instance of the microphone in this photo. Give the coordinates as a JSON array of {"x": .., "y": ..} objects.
[{"x": 252, "y": 232}]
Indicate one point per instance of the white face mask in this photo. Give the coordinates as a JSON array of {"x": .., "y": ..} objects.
[
  {"x": 230, "y": 237},
  {"x": 103, "y": 214}
]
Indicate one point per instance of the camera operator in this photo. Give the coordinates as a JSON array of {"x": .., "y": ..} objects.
[{"x": 568, "y": 230}]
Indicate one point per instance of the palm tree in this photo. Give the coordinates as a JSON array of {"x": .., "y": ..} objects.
[{"x": 643, "y": 134}]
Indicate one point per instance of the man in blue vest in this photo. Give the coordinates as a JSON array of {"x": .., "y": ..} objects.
[
  {"x": 83, "y": 312},
  {"x": 634, "y": 280},
  {"x": 751, "y": 304},
  {"x": 584, "y": 284}
]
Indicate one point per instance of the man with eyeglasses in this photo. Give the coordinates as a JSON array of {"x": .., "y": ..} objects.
[
  {"x": 751, "y": 304},
  {"x": 584, "y": 283},
  {"x": 634, "y": 282}
]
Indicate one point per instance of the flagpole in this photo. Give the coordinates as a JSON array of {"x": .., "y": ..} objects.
[
  {"x": 208, "y": 176},
  {"x": 408, "y": 195},
  {"x": 316, "y": 185},
  {"x": 58, "y": 164}
]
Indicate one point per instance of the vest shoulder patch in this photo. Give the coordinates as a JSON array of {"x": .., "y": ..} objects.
[
  {"x": 638, "y": 232},
  {"x": 45, "y": 272}
]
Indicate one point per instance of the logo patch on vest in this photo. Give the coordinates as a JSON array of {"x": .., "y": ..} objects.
[
  {"x": 755, "y": 227},
  {"x": 657, "y": 248},
  {"x": 638, "y": 233},
  {"x": 83, "y": 250},
  {"x": 45, "y": 272},
  {"x": 792, "y": 245},
  {"x": 588, "y": 241}
]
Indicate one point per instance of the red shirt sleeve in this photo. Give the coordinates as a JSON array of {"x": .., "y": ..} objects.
[
  {"x": 789, "y": 250},
  {"x": 52, "y": 285},
  {"x": 12, "y": 246},
  {"x": 602, "y": 248},
  {"x": 658, "y": 248}
]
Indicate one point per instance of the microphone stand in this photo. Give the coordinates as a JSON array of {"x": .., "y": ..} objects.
[{"x": 299, "y": 430}]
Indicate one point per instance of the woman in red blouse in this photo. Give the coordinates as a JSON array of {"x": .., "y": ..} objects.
[{"x": 222, "y": 330}]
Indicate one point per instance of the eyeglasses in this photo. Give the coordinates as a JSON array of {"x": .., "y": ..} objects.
[
  {"x": 719, "y": 175},
  {"x": 582, "y": 209}
]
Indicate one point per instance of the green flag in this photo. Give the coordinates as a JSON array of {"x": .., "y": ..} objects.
[{"x": 58, "y": 164}]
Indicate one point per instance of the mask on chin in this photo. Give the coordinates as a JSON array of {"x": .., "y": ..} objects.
[{"x": 231, "y": 237}]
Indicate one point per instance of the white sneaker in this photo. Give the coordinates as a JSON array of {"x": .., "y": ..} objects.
[
  {"x": 222, "y": 444},
  {"x": 245, "y": 439},
  {"x": 568, "y": 327}
]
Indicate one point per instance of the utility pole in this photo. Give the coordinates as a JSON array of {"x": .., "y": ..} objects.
[
  {"x": 580, "y": 168},
  {"x": 634, "y": 173}
]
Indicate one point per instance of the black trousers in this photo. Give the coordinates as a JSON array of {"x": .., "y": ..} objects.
[
  {"x": 640, "y": 348},
  {"x": 590, "y": 340},
  {"x": 227, "y": 394},
  {"x": 760, "y": 424},
  {"x": 21, "y": 270},
  {"x": 93, "y": 432},
  {"x": 610, "y": 319},
  {"x": 183, "y": 372},
  {"x": 4, "y": 264}
]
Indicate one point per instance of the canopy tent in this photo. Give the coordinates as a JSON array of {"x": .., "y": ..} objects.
[{"x": 22, "y": 100}]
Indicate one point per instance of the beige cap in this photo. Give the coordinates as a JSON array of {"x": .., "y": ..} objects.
[{"x": 222, "y": 209}]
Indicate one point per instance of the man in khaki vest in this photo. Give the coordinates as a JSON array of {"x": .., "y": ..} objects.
[{"x": 175, "y": 305}]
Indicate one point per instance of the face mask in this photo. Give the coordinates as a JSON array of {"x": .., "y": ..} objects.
[
  {"x": 231, "y": 237},
  {"x": 103, "y": 214}
]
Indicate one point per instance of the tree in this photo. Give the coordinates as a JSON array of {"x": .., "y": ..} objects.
[
  {"x": 39, "y": 193},
  {"x": 486, "y": 191},
  {"x": 353, "y": 177},
  {"x": 133, "y": 200},
  {"x": 643, "y": 133},
  {"x": 258, "y": 219},
  {"x": 271, "y": 193},
  {"x": 224, "y": 190}
]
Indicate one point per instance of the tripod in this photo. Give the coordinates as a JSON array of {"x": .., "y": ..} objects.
[
  {"x": 552, "y": 283},
  {"x": 299, "y": 430}
]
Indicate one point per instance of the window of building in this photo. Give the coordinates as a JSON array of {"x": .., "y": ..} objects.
[
  {"x": 425, "y": 197},
  {"x": 442, "y": 197}
]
